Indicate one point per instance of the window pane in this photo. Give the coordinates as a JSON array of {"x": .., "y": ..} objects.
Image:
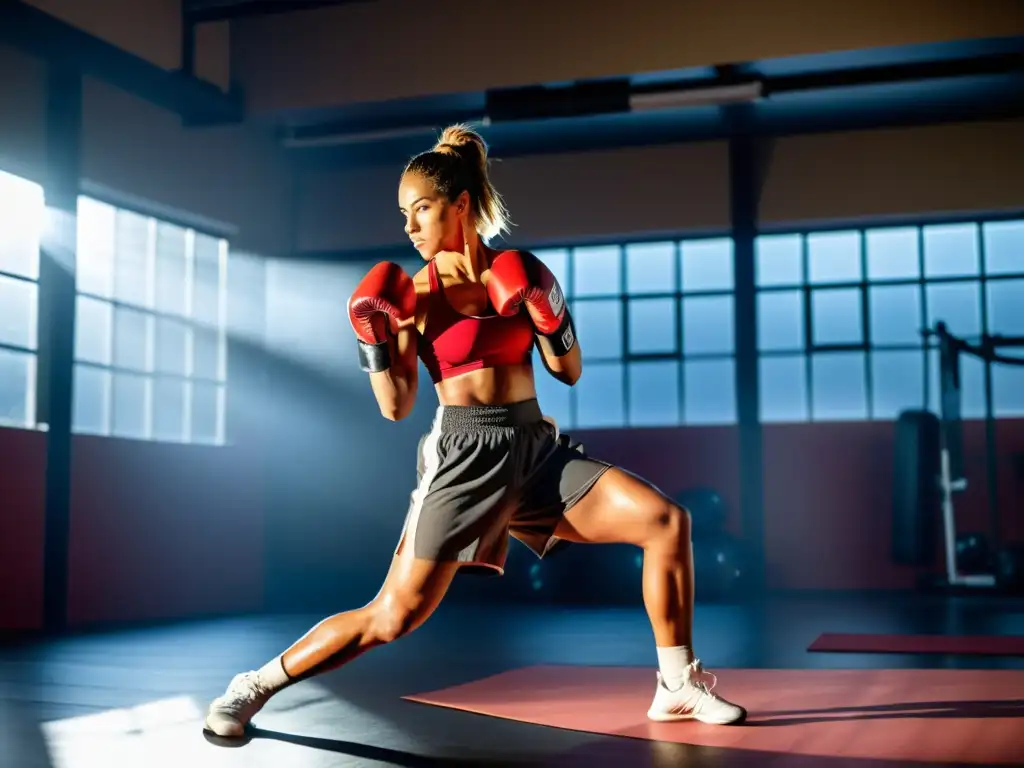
[
  {"x": 652, "y": 325},
  {"x": 131, "y": 232},
  {"x": 780, "y": 320},
  {"x": 599, "y": 327},
  {"x": 1006, "y": 307},
  {"x": 1008, "y": 389},
  {"x": 18, "y": 303},
  {"x": 893, "y": 254},
  {"x": 21, "y": 224},
  {"x": 92, "y": 398},
  {"x": 951, "y": 250},
  {"x": 169, "y": 410},
  {"x": 93, "y": 330},
  {"x": 130, "y": 338},
  {"x": 171, "y": 347},
  {"x": 897, "y": 382},
  {"x": 836, "y": 316},
  {"x": 833, "y": 257},
  {"x": 595, "y": 271},
  {"x": 779, "y": 260},
  {"x": 654, "y": 393},
  {"x": 708, "y": 325},
  {"x": 206, "y": 285},
  {"x": 837, "y": 386},
  {"x": 129, "y": 406},
  {"x": 96, "y": 231},
  {"x": 783, "y": 388},
  {"x": 972, "y": 385},
  {"x": 552, "y": 394},
  {"x": 557, "y": 260},
  {"x": 709, "y": 390},
  {"x": 599, "y": 396},
  {"x": 17, "y": 388},
  {"x": 170, "y": 269},
  {"x": 708, "y": 265},
  {"x": 650, "y": 268},
  {"x": 895, "y": 314},
  {"x": 958, "y": 305},
  {"x": 206, "y": 357},
  {"x": 1004, "y": 247},
  {"x": 206, "y": 409}
]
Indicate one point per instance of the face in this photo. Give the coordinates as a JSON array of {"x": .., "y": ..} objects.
[{"x": 431, "y": 221}]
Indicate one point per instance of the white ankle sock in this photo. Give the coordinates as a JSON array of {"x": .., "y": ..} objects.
[
  {"x": 673, "y": 663},
  {"x": 272, "y": 675}
]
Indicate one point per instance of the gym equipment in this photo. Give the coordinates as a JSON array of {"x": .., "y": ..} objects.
[
  {"x": 952, "y": 476},
  {"x": 719, "y": 566},
  {"x": 915, "y": 492},
  {"x": 707, "y": 509}
]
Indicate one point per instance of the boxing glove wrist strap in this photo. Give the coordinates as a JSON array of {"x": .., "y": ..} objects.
[
  {"x": 374, "y": 358},
  {"x": 559, "y": 343}
]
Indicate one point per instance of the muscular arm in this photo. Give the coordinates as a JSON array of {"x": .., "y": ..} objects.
[
  {"x": 395, "y": 388},
  {"x": 520, "y": 278},
  {"x": 567, "y": 368}
]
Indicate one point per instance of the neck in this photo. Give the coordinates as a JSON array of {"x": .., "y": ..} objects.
[{"x": 476, "y": 261}]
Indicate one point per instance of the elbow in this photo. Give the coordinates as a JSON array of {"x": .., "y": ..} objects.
[{"x": 393, "y": 411}]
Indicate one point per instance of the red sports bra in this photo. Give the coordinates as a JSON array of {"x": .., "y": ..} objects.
[{"x": 453, "y": 343}]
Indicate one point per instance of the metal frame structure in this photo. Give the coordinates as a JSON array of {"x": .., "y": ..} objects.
[{"x": 952, "y": 476}]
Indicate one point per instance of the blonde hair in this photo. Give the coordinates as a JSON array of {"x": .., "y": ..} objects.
[{"x": 458, "y": 163}]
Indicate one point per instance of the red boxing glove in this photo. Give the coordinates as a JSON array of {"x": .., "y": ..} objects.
[
  {"x": 522, "y": 277},
  {"x": 387, "y": 290}
]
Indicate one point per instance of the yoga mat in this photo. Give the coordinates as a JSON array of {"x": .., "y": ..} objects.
[
  {"x": 964, "y": 716},
  {"x": 962, "y": 645}
]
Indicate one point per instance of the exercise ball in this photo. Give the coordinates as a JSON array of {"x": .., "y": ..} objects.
[
  {"x": 719, "y": 566},
  {"x": 972, "y": 553},
  {"x": 707, "y": 509},
  {"x": 1009, "y": 570}
]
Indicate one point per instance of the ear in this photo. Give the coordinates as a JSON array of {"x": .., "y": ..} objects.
[{"x": 462, "y": 203}]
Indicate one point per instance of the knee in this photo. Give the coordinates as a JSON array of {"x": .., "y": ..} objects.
[
  {"x": 392, "y": 615},
  {"x": 671, "y": 524}
]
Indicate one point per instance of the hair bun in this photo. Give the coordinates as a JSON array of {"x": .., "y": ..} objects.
[{"x": 458, "y": 136}]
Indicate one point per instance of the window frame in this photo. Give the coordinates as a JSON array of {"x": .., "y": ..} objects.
[
  {"x": 192, "y": 226},
  {"x": 623, "y": 296},
  {"x": 981, "y": 278}
]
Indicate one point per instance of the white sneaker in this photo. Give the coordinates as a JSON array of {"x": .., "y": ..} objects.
[
  {"x": 693, "y": 700},
  {"x": 230, "y": 713}
]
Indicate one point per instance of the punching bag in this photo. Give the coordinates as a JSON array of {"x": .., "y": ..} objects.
[{"x": 915, "y": 488}]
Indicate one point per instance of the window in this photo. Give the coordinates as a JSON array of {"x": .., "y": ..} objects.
[
  {"x": 150, "y": 339},
  {"x": 840, "y": 316},
  {"x": 21, "y": 225},
  {"x": 656, "y": 324}
]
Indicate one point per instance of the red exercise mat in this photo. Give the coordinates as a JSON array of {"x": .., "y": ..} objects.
[
  {"x": 901, "y": 715},
  {"x": 963, "y": 645}
]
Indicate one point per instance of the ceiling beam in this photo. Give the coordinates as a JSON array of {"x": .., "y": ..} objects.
[
  {"x": 203, "y": 11},
  {"x": 46, "y": 37}
]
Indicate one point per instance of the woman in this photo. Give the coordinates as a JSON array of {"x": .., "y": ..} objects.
[{"x": 491, "y": 465}]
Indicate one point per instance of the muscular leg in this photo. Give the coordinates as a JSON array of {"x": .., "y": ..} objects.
[
  {"x": 621, "y": 508},
  {"x": 411, "y": 592}
]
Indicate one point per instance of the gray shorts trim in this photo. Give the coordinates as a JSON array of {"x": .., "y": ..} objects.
[{"x": 488, "y": 472}]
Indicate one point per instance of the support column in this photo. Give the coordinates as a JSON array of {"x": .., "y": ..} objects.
[
  {"x": 744, "y": 193},
  {"x": 57, "y": 268}
]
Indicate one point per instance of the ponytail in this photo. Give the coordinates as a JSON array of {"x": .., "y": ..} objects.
[{"x": 459, "y": 163}]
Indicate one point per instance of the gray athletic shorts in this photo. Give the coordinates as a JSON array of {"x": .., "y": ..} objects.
[{"x": 485, "y": 472}]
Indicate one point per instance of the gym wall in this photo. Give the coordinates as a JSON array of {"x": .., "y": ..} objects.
[
  {"x": 150, "y": 521},
  {"x": 826, "y": 528}
]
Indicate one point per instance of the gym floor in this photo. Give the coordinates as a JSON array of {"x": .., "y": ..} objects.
[{"x": 136, "y": 697}]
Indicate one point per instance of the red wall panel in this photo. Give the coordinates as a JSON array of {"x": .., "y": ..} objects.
[{"x": 22, "y": 507}]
